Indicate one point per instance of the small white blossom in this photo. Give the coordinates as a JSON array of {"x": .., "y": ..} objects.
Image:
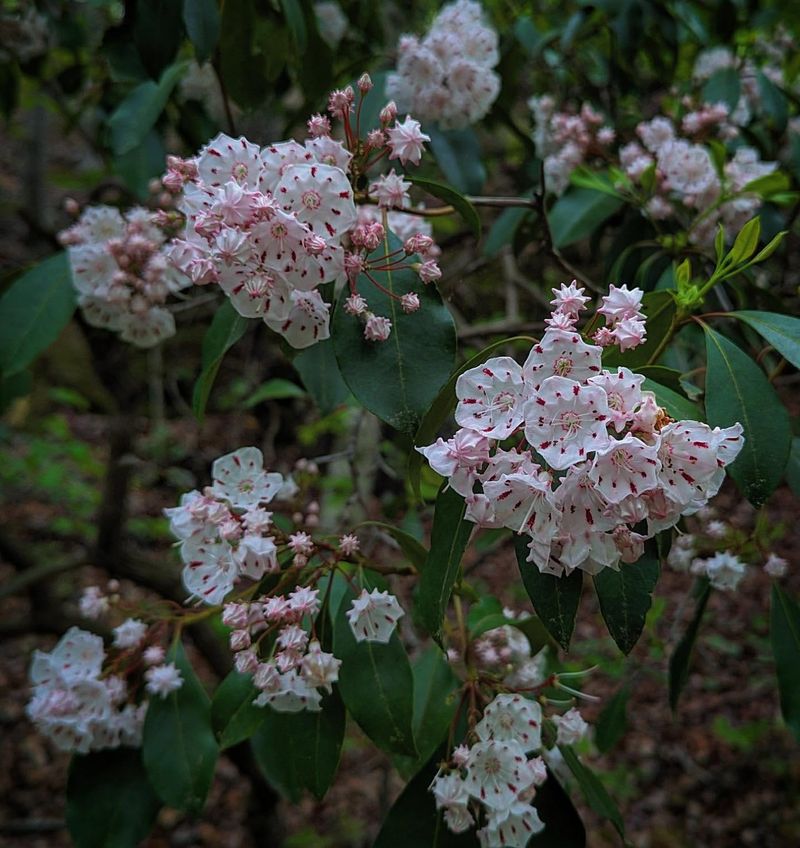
[
  {"x": 163, "y": 679},
  {"x": 373, "y": 616}
]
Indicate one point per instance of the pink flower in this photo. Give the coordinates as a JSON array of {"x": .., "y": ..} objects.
[
  {"x": 391, "y": 190},
  {"x": 409, "y": 302},
  {"x": 621, "y": 303},
  {"x": 349, "y": 544},
  {"x": 319, "y": 125},
  {"x": 569, "y": 300},
  {"x": 355, "y": 305},
  {"x": 406, "y": 141},
  {"x": 377, "y": 328},
  {"x": 429, "y": 271}
]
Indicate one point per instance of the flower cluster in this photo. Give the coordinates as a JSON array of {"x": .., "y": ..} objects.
[
  {"x": 592, "y": 457},
  {"x": 225, "y": 531},
  {"x": 506, "y": 652},
  {"x": 270, "y": 225},
  {"x": 121, "y": 273},
  {"x": 296, "y": 669},
  {"x": 565, "y": 140},
  {"x": 447, "y": 76},
  {"x": 496, "y": 778},
  {"x": 74, "y": 704}
]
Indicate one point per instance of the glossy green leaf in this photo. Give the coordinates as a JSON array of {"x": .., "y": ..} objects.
[
  {"x": 555, "y": 599},
  {"x": 659, "y": 309},
  {"x": 773, "y": 102},
  {"x": 504, "y": 229},
  {"x": 227, "y": 327},
  {"x": 139, "y": 166},
  {"x": 133, "y": 119},
  {"x": 202, "y": 21},
  {"x": 563, "y": 827},
  {"x": 769, "y": 184},
  {"x": 578, "y": 213},
  {"x": 449, "y": 538},
  {"x": 414, "y": 822},
  {"x": 781, "y": 331},
  {"x": 737, "y": 390},
  {"x": 612, "y": 722},
  {"x": 458, "y": 155},
  {"x": 293, "y": 13},
  {"x": 243, "y": 63},
  {"x": 681, "y": 656},
  {"x": 301, "y": 751},
  {"x": 625, "y": 597},
  {"x": 376, "y": 685},
  {"x": 34, "y": 311},
  {"x": 320, "y": 374},
  {"x": 16, "y": 386},
  {"x": 414, "y": 550},
  {"x": 275, "y": 389},
  {"x": 746, "y": 242},
  {"x": 452, "y": 197},
  {"x": 234, "y": 716},
  {"x": 593, "y": 790},
  {"x": 179, "y": 748},
  {"x": 723, "y": 87},
  {"x": 443, "y": 405},
  {"x": 388, "y": 378},
  {"x": 110, "y": 803},
  {"x": 784, "y": 631}
]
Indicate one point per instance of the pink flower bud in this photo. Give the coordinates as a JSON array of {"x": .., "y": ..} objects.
[
  {"x": 429, "y": 271},
  {"x": 410, "y": 302},
  {"x": 364, "y": 83},
  {"x": 389, "y": 112}
]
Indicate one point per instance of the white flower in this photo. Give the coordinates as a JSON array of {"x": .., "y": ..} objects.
[
  {"x": 512, "y": 718},
  {"x": 377, "y": 329},
  {"x": 406, "y": 140},
  {"x": 775, "y": 566},
  {"x": 625, "y": 467},
  {"x": 130, "y": 633},
  {"x": 349, "y": 544},
  {"x": 154, "y": 655},
  {"x": 163, "y": 679},
  {"x": 373, "y": 616},
  {"x": 239, "y": 477},
  {"x": 93, "y": 603},
  {"x": 571, "y": 727},
  {"x": 724, "y": 570},
  {"x": 320, "y": 669},
  {"x": 496, "y": 773},
  {"x": 511, "y": 827},
  {"x": 491, "y": 397}
]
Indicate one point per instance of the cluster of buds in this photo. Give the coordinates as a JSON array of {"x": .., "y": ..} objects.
[
  {"x": 87, "y": 699},
  {"x": 447, "y": 75},
  {"x": 594, "y": 458},
  {"x": 270, "y": 225},
  {"x": 566, "y": 140},
  {"x": 121, "y": 272},
  {"x": 505, "y": 653}
]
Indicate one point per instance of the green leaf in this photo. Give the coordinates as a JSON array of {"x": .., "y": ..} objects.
[
  {"x": 487, "y": 614},
  {"x": 773, "y": 102},
  {"x": 234, "y": 716},
  {"x": 555, "y": 599},
  {"x": 578, "y": 213},
  {"x": 158, "y": 33},
  {"x": 449, "y": 538},
  {"x": 227, "y": 327},
  {"x": 737, "y": 390},
  {"x": 243, "y": 63},
  {"x": 504, "y": 229},
  {"x": 458, "y": 154},
  {"x": 784, "y": 632},
  {"x": 781, "y": 331},
  {"x": 678, "y": 406},
  {"x": 746, "y": 242},
  {"x": 659, "y": 309},
  {"x": 202, "y": 21},
  {"x": 110, "y": 803},
  {"x": 275, "y": 389},
  {"x": 179, "y": 749},
  {"x": 770, "y": 248},
  {"x": 298, "y": 751},
  {"x": 593, "y": 790},
  {"x": 139, "y": 166},
  {"x": 723, "y": 87},
  {"x": 33, "y": 312},
  {"x": 387, "y": 377},
  {"x": 414, "y": 822},
  {"x": 320, "y": 374},
  {"x": 133, "y": 119},
  {"x": 443, "y": 405},
  {"x": 563, "y": 827},
  {"x": 681, "y": 656},
  {"x": 769, "y": 184},
  {"x": 16, "y": 386},
  {"x": 415, "y": 551},
  {"x": 454, "y": 198},
  {"x": 625, "y": 597},
  {"x": 376, "y": 684},
  {"x": 793, "y": 468},
  {"x": 293, "y": 13},
  {"x": 612, "y": 721},
  {"x": 585, "y": 177}
]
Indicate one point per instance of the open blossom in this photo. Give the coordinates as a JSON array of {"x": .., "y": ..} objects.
[
  {"x": 163, "y": 679},
  {"x": 373, "y": 616},
  {"x": 406, "y": 141},
  {"x": 512, "y": 718}
]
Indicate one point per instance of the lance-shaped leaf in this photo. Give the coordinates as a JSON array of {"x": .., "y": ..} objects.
[
  {"x": 202, "y": 21},
  {"x": 593, "y": 790},
  {"x": 234, "y": 716},
  {"x": 397, "y": 379},
  {"x": 612, "y": 721},
  {"x": 110, "y": 803},
  {"x": 454, "y": 198},
  {"x": 376, "y": 684},
  {"x": 415, "y": 551},
  {"x": 443, "y": 405},
  {"x": 737, "y": 390},
  {"x": 179, "y": 749},
  {"x": 555, "y": 599},
  {"x": 723, "y": 86},
  {"x": 681, "y": 656},
  {"x": 781, "y": 331},
  {"x": 625, "y": 597},
  {"x": 298, "y": 751},
  {"x": 320, "y": 374},
  {"x": 563, "y": 827},
  {"x": 34, "y": 311},
  {"x": 458, "y": 154},
  {"x": 504, "y": 229},
  {"x": 784, "y": 631},
  {"x": 227, "y": 327},
  {"x": 578, "y": 213},
  {"x": 449, "y": 538}
]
